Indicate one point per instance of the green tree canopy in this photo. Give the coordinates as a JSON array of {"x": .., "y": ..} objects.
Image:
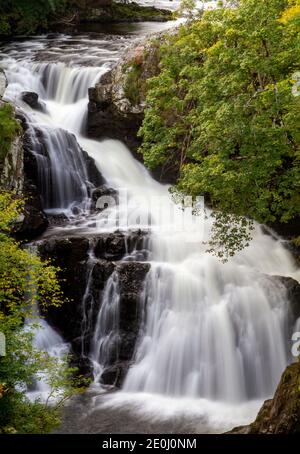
[{"x": 223, "y": 109}]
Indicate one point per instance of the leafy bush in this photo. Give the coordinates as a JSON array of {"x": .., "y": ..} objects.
[
  {"x": 9, "y": 127},
  {"x": 27, "y": 16},
  {"x": 222, "y": 109},
  {"x": 24, "y": 280}
]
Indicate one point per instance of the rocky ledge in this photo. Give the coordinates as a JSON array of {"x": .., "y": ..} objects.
[
  {"x": 117, "y": 102},
  {"x": 83, "y": 282}
]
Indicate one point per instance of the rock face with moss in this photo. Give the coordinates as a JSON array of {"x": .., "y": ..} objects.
[
  {"x": 280, "y": 415},
  {"x": 117, "y": 102},
  {"x": 3, "y": 83},
  {"x": 11, "y": 146}
]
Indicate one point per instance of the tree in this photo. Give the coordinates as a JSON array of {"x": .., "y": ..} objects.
[
  {"x": 222, "y": 110},
  {"x": 24, "y": 282},
  {"x": 28, "y": 16}
]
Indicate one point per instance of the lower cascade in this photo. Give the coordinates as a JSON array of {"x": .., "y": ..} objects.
[{"x": 209, "y": 331}]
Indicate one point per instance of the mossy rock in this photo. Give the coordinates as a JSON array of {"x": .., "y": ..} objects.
[
  {"x": 9, "y": 128},
  {"x": 280, "y": 415}
]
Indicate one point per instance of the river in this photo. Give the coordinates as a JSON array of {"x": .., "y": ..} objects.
[{"x": 215, "y": 337}]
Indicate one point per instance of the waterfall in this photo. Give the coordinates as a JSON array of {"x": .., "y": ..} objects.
[
  {"x": 47, "y": 340},
  {"x": 62, "y": 173},
  {"x": 105, "y": 342},
  {"x": 211, "y": 331}
]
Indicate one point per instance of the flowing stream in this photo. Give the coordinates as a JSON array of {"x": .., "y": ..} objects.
[{"x": 215, "y": 337}]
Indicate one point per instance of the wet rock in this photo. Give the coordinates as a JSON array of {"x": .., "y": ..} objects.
[
  {"x": 288, "y": 229},
  {"x": 108, "y": 117},
  {"x": 117, "y": 102},
  {"x": 111, "y": 246},
  {"x": 101, "y": 272},
  {"x": 75, "y": 321},
  {"x": 58, "y": 219},
  {"x": 32, "y": 99},
  {"x": 84, "y": 368},
  {"x": 131, "y": 280},
  {"x": 293, "y": 293},
  {"x": 103, "y": 191},
  {"x": 12, "y": 167},
  {"x": 115, "y": 375},
  {"x": 114, "y": 246},
  {"x": 34, "y": 220},
  {"x": 3, "y": 83},
  {"x": 104, "y": 197},
  {"x": 280, "y": 415},
  {"x": 71, "y": 256},
  {"x": 111, "y": 113}
]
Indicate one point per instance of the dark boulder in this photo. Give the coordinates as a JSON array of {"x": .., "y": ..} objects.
[
  {"x": 32, "y": 99},
  {"x": 292, "y": 288},
  {"x": 104, "y": 191},
  {"x": 110, "y": 246},
  {"x": 71, "y": 256},
  {"x": 104, "y": 197},
  {"x": 101, "y": 272},
  {"x": 114, "y": 375},
  {"x": 84, "y": 368},
  {"x": 33, "y": 221},
  {"x": 131, "y": 280},
  {"x": 114, "y": 246}
]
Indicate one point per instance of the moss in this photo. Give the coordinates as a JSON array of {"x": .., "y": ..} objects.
[
  {"x": 134, "y": 85},
  {"x": 9, "y": 127}
]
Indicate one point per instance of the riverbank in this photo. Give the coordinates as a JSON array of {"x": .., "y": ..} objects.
[{"x": 68, "y": 16}]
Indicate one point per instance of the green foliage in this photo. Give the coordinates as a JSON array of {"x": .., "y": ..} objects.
[
  {"x": 223, "y": 112},
  {"x": 24, "y": 281},
  {"x": 230, "y": 234},
  {"x": 9, "y": 127},
  {"x": 134, "y": 85},
  {"x": 28, "y": 16}
]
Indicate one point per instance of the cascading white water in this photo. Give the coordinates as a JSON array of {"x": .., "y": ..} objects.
[
  {"x": 62, "y": 172},
  {"x": 105, "y": 342},
  {"x": 47, "y": 340},
  {"x": 211, "y": 331}
]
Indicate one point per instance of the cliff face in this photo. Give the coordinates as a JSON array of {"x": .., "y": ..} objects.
[
  {"x": 11, "y": 164},
  {"x": 12, "y": 174},
  {"x": 117, "y": 102}
]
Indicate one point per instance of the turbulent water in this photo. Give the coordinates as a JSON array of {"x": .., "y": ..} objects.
[{"x": 215, "y": 337}]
